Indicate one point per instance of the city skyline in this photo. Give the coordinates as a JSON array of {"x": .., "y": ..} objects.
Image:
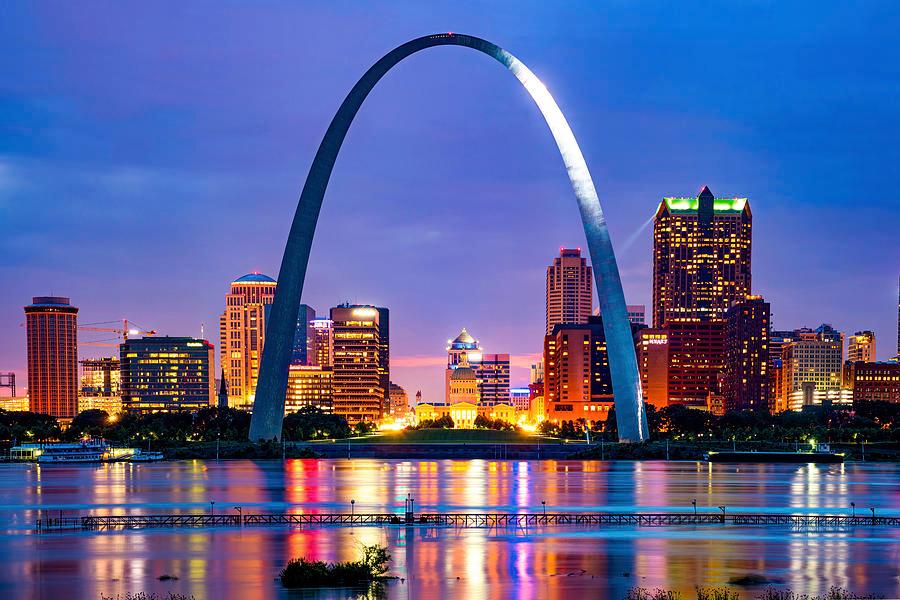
[{"x": 177, "y": 292}]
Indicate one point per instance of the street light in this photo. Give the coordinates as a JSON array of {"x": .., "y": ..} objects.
[
  {"x": 694, "y": 502},
  {"x": 872, "y": 508},
  {"x": 352, "y": 502},
  {"x": 212, "y": 507},
  {"x": 722, "y": 508},
  {"x": 544, "y": 503},
  {"x": 853, "y": 509},
  {"x": 240, "y": 511}
]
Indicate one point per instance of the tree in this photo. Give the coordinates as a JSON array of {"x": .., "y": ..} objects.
[
  {"x": 311, "y": 423},
  {"x": 92, "y": 423}
]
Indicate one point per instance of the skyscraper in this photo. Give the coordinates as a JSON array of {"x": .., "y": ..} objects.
[
  {"x": 777, "y": 341},
  {"x": 811, "y": 368},
  {"x": 701, "y": 266},
  {"x": 52, "y": 345},
  {"x": 323, "y": 338},
  {"x": 358, "y": 364},
  {"x": 569, "y": 289},
  {"x": 309, "y": 385},
  {"x": 167, "y": 374},
  {"x": 242, "y": 333},
  {"x": 577, "y": 381},
  {"x": 101, "y": 385},
  {"x": 493, "y": 378},
  {"x": 304, "y": 338},
  {"x": 861, "y": 347},
  {"x": 746, "y": 383},
  {"x": 701, "y": 257}
]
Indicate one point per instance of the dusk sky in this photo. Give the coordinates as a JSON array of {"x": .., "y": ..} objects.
[{"x": 150, "y": 154}]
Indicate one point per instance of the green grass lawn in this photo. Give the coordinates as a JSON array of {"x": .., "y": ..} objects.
[{"x": 454, "y": 436}]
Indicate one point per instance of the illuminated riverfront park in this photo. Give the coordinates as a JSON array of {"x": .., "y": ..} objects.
[{"x": 310, "y": 300}]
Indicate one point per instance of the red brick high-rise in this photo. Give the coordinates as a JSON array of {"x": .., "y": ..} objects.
[{"x": 52, "y": 330}]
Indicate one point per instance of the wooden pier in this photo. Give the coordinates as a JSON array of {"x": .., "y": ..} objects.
[{"x": 459, "y": 520}]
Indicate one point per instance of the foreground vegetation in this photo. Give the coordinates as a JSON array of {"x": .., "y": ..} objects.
[{"x": 303, "y": 573}]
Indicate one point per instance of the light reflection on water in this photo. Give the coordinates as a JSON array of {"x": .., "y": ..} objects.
[{"x": 544, "y": 563}]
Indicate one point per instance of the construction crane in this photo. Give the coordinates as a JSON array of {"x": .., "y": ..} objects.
[{"x": 127, "y": 328}]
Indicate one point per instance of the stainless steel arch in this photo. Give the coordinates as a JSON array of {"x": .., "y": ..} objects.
[{"x": 268, "y": 407}]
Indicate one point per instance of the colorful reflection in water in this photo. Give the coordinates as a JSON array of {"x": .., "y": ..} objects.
[{"x": 446, "y": 563}]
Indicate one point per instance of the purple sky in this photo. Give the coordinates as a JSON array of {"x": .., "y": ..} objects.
[{"x": 149, "y": 154}]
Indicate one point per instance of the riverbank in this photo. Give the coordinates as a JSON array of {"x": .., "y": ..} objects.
[{"x": 497, "y": 445}]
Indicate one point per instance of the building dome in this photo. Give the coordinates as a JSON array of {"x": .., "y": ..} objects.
[
  {"x": 254, "y": 278},
  {"x": 464, "y": 341},
  {"x": 463, "y": 372}
]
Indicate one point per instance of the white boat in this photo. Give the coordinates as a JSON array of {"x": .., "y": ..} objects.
[
  {"x": 140, "y": 456},
  {"x": 88, "y": 451}
]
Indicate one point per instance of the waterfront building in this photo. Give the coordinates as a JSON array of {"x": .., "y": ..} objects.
[
  {"x": 14, "y": 403},
  {"x": 462, "y": 413},
  {"x": 167, "y": 374},
  {"x": 51, "y": 330},
  {"x": 520, "y": 398},
  {"x": 869, "y": 381},
  {"x": 399, "y": 401},
  {"x": 464, "y": 384},
  {"x": 811, "y": 368},
  {"x": 100, "y": 385},
  {"x": 701, "y": 257},
  {"x": 696, "y": 351},
  {"x": 653, "y": 364},
  {"x": 493, "y": 378},
  {"x": 569, "y": 289},
  {"x": 577, "y": 381},
  {"x": 323, "y": 340},
  {"x": 242, "y": 334},
  {"x": 701, "y": 266},
  {"x": 357, "y": 363},
  {"x": 745, "y": 377},
  {"x": 304, "y": 352},
  {"x": 309, "y": 385},
  {"x": 777, "y": 341},
  {"x": 861, "y": 347}
]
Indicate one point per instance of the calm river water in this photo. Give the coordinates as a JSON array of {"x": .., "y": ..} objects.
[{"x": 553, "y": 562}]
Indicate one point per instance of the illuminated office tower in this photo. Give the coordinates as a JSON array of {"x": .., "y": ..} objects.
[
  {"x": 493, "y": 379},
  {"x": 323, "y": 340},
  {"x": 577, "y": 381},
  {"x": 100, "y": 385},
  {"x": 701, "y": 257},
  {"x": 653, "y": 364},
  {"x": 167, "y": 374},
  {"x": 861, "y": 347},
  {"x": 701, "y": 266},
  {"x": 569, "y": 289},
  {"x": 746, "y": 383},
  {"x": 637, "y": 313},
  {"x": 811, "y": 368},
  {"x": 242, "y": 333},
  {"x": 51, "y": 329},
  {"x": 778, "y": 401},
  {"x": 873, "y": 381},
  {"x": 309, "y": 385},
  {"x": 357, "y": 361},
  {"x": 304, "y": 352}
]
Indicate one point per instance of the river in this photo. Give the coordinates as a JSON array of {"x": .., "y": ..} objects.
[{"x": 550, "y": 562}]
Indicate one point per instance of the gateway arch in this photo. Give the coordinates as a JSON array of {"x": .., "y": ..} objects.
[{"x": 268, "y": 406}]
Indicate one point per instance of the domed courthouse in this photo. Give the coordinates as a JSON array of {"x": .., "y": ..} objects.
[{"x": 475, "y": 384}]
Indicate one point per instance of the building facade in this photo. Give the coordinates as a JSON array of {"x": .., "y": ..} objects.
[
  {"x": 861, "y": 347},
  {"x": 746, "y": 373},
  {"x": 701, "y": 257},
  {"x": 357, "y": 362},
  {"x": 51, "y": 329},
  {"x": 101, "y": 385},
  {"x": 304, "y": 352},
  {"x": 309, "y": 386},
  {"x": 242, "y": 334},
  {"x": 323, "y": 340},
  {"x": 653, "y": 364},
  {"x": 493, "y": 379},
  {"x": 811, "y": 369},
  {"x": 167, "y": 374},
  {"x": 569, "y": 289},
  {"x": 577, "y": 381},
  {"x": 873, "y": 381},
  {"x": 399, "y": 402}
]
